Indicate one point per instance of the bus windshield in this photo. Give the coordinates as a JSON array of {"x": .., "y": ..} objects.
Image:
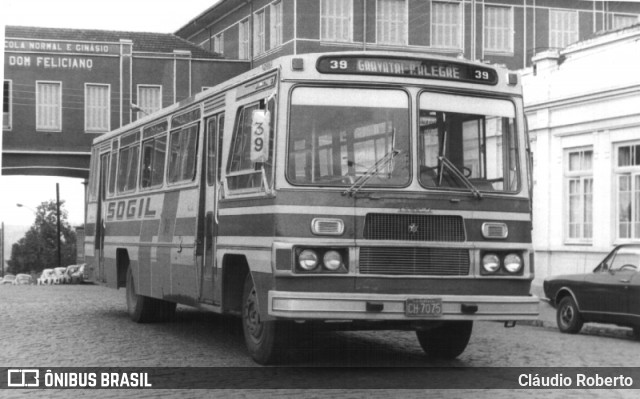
[
  {"x": 338, "y": 135},
  {"x": 467, "y": 143}
]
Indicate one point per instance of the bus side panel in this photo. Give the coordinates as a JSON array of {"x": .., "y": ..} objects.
[
  {"x": 110, "y": 270},
  {"x": 89, "y": 244},
  {"x": 167, "y": 242}
]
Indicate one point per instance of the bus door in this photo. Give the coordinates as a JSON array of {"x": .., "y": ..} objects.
[
  {"x": 100, "y": 221},
  {"x": 213, "y": 147}
]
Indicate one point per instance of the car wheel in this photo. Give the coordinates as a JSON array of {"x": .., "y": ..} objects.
[
  {"x": 143, "y": 309},
  {"x": 447, "y": 341},
  {"x": 265, "y": 340},
  {"x": 568, "y": 317}
]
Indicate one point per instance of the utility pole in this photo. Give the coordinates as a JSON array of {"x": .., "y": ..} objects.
[{"x": 58, "y": 221}]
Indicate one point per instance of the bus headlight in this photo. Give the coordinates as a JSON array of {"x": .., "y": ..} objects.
[
  {"x": 308, "y": 259},
  {"x": 491, "y": 263},
  {"x": 512, "y": 263},
  {"x": 332, "y": 260}
]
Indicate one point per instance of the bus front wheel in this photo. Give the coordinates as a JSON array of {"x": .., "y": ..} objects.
[
  {"x": 143, "y": 309},
  {"x": 265, "y": 340},
  {"x": 446, "y": 341}
]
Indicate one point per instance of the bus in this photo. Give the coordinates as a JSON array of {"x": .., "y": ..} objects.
[{"x": 351, "y": 190}]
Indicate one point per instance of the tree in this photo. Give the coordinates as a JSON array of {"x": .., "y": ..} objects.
[{"x": 38, "y": 249}]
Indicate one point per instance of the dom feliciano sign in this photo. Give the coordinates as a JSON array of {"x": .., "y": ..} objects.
[{"x": 55, "y": 54}]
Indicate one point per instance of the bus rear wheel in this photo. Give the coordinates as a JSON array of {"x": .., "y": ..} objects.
[
  {"x": 446, "y": 341},
  {"x": 265, "y": 340},
  {"x": 143, "y": 309}
]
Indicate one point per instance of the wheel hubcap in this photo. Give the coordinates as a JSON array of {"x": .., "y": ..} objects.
[
  {"x": 252, "y": 316},
  {"x": 567, "y": 315}
]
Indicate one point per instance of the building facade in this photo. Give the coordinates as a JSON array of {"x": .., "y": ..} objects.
[
  {"x": 63, "y": 87},
  {"x": 506, "y": 32},
  {"x": 584, "y": 120}
]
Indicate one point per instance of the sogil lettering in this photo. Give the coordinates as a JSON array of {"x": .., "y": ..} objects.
[{"x": 130, "y": 209}]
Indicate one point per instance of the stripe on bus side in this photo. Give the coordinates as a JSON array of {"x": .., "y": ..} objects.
[
  {"x": 299, "y": 225},
  {"x": 350, "y": 211},
  {"x": 162, "y": 279}
]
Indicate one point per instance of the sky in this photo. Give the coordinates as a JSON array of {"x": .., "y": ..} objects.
[{"x": 162, "y": 16}]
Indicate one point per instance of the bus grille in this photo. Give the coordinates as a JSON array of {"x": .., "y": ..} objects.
[
  {"x": 410, "y": 261},
  {"x": 380, "y": 226}
]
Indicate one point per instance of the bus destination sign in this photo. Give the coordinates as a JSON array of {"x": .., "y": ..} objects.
[{"x": 407, "y": 67}]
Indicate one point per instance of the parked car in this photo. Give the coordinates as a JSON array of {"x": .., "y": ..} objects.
[
  {"x": 48, "y": 277},
  {"x": 76, "y": 273},
  {"x": 63, "y": 277},
  {"x": 7, "y": 279},
  {"x": 608, "y": 294},
  {"x": 23, "y": 279}
]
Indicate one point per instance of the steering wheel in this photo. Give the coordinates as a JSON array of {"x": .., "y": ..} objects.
[{"x": 629, "y": 267}]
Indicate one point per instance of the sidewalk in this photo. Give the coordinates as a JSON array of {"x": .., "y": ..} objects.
[{"x": 547, "y": 319}]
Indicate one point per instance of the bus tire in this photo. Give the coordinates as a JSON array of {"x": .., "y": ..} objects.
[
  {"x": 446, "y": 341},
  {"x": 265, "y": 340},
  {"x": 143, "y": 309}
]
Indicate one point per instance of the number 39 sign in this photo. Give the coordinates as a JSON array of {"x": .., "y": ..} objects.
[{"x": 260, "y": 131}]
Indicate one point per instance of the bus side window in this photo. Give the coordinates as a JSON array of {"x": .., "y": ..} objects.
[
  {"x": 214, "y": 149},
  {"x": 242, "y": 171},
  {"x": 182, "y": 150},
  {"x": 113, "y": 166},
  {"x": 128, "y": 168},
  {"x": 153, "y": 155}
]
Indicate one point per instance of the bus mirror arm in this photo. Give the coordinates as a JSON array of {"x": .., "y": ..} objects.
[{"x": 265, "y": 182}]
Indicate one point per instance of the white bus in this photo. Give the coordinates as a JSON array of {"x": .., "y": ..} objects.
[{"x": 373, "y": 190}]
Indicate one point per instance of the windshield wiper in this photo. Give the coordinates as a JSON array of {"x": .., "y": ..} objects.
[
  {"x": 446, "y": 162},
  {"x": 371, "y": 172}
]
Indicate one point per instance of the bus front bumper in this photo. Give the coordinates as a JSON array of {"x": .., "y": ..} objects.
[{"x": 355, "y": 306}]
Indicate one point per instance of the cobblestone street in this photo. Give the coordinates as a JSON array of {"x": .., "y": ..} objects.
[{"x": 87, "y": 326}]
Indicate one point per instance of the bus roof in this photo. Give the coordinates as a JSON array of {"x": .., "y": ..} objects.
[{"x": 359, "y": 66}]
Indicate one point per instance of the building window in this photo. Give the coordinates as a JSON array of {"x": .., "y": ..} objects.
[
  {"x": 336, "y": 20},
  {"x": 627, "y": 174},
  {"x": 6, "y": 105},
  {"x": 49, "y": 106},
  {"x": 276, "y": 24},
  {"x": 579, "y": 183},
  {"x": 498, "y": 29},
  {"x": 258, "y": 33},
  {"x": 391, "y": 24},
  {"x": 243, "y": 40},
  {"x": 563, "y": 28},
  {"x": 446, "y": 25},
  {"x": 620, "y": 21},
  {"x": 218, "y": 43},
  {"x": 149, "y": 99},
  {"x": 97, "y": 108}
]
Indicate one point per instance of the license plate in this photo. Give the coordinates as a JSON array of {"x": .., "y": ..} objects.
[{"x": 423, "y": 307}]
